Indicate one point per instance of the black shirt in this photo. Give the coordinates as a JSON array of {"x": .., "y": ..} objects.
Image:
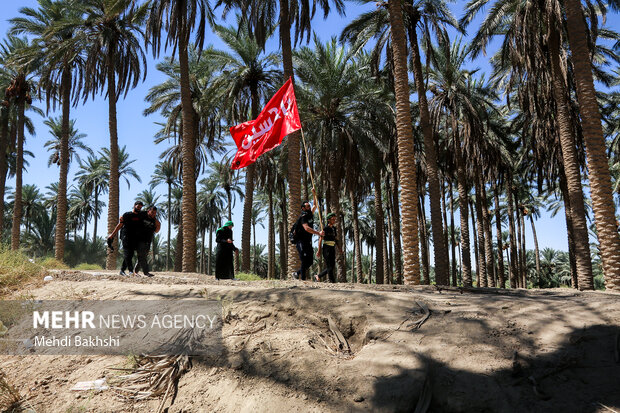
[
  {"x": 330, "y": 235},
  {"x": 307, "y": 217},
  {"x": 148, "y": 227},
  {"x": 132, "y": 223},
  {"x": 222, "y": 236}
]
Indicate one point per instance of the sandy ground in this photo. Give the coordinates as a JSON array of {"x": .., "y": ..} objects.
[{"x": 488, "y": 351}]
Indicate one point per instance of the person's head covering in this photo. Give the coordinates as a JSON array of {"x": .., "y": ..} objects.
[
  {"x": 226, "y": 224},
  {"x": 331, "y": 214},
  {"x": 138, "y": 203}
]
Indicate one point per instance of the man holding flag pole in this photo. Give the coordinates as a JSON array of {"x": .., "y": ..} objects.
[{"x": 255, "y": 137}]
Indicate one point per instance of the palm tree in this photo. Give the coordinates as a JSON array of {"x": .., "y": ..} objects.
[
  {"x": 518, "y": 17},
  {"x": 82, "y": 206},
  {"x": 211, "y": 202},
  {"x": 227, "y": 179},
  {"x": 598, "y": 164},
  {"x": 40, "y": 241},
  {"x": 53, "y": 32},
  {"x": 261, "y": 16},
  {"x": 178, "y": 18},
  {"x": 422, "y": 15},
  {"x": 342, "y": 105},
  {"x": 165, "y": 173},
  {"x": 18, "y": 93},
  {"x": 257, "y": 219},
  {"x": 94, "y": 175},
  {"x": 148, "y": 197},
  {"x": 54, "y": 145},
  {"x": 112, "y": 31},
  {"x": 406, "y": 156},
  {"x": 246, "y": 79},
  {"x": 125, "y": 170}
]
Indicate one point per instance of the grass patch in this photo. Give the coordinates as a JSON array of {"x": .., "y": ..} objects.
[
  {"x": 17, "y": 269},
  {"x": 86, "y": 266},
  {"x": 247, "y": 276},
  {"x": 10, "y": 399},
  {"x": 53, "y": 264}
]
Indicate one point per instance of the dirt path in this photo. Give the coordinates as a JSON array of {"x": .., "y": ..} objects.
[{"x": 512, "y": 351}]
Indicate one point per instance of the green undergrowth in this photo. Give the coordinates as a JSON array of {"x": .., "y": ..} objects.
[
  {"x": 86, "y": 266},
  {"x": 17, "y": 269},
  {"x": 247, "y": 276},
  {"x": 52, "y": 263}
]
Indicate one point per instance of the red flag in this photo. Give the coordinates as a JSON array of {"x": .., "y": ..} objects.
[{"x": 279, "y": 118}]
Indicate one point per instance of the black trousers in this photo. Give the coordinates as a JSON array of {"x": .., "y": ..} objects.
[
  {"x": 306, "y": 256},
  {"x": 329, "y": 255},
  {"x": 129, "y": 247},
  {"x": 143, "y": 248}
]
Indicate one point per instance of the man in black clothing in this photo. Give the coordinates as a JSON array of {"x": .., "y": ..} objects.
[
  {"x": 130, "y": 225},
  {"x": 304, "y": 241},
  {"x": 149, "y": 226},
  {"x": 328, "y": 244}
]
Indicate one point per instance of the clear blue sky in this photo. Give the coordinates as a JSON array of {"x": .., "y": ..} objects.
[{"x": 136, "y": 132}]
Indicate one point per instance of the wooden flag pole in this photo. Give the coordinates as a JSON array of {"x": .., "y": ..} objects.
[{"x": 303, "y": 139}]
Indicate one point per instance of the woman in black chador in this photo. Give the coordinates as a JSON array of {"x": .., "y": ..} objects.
[{"x": 224, "y": 267}]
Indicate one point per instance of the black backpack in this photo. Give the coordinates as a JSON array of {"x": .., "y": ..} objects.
[{"x": 295, "y": 231}]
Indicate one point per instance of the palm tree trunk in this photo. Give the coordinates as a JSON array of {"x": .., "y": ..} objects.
[
  {"x": 536, "y": 250},
  {"x": 19, "y": 170},
  {"x": 406, "y": 155},
  {"x": 569, "y": 229},
  {"x": 519, "y": 260},
  {"x": 380, "y": 238},
  {"x": 511, "y": 227},
  {"x": 488, "y": 237},
  {"x": 453, "y": 237},
  {"x": 169, "y": 212},
  {"x": 357, "y": 245},
  {"x": 249, "y": 191},
  {"x": 114, "y": 191},
  {"x": 178, "y": 250},
  {"x": 482, "y": 276},
  {"x": 423, "y": 242},
  {"x": 334, "y": 196},
  {"x": 523, "y": 249},
  {"x": 571, "y": 168},
  {"x": 398, "y": 266},
  {"x": 188, "y": 155},
  {"x": 271, "y": 261},
  {"x": 389, "y": 235},
  {"x": 61, "y": 219},
  {"x": 440, "y": 248},
  {"x": 4, "y": 144},
  {"x": 203, "y": 261},
  {"x": 463, "y": 206},
  {"x": 95, "y": 215},
  {"x": 85, "y": 227},
  {"x": 500, "y": 247},
  {"x": 210, "y": 250},
  {"x": 444, "y": 216},
  {"x": 474, "y": 231},
  {"x": 598, "y": 163},
  {"x": 292, "y": 141}
]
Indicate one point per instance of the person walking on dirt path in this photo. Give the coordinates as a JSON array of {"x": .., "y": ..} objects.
[
  {"x": 129, "y": 224},
  {"x": 328, "y": 244},
  {"x": 149, "y": 226},
  {"x": 224, "y": 265},
  {"x": 304, "y": 241}
]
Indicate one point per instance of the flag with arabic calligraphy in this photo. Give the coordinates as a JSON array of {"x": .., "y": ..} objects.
[{"x": 277, "y": 119}]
